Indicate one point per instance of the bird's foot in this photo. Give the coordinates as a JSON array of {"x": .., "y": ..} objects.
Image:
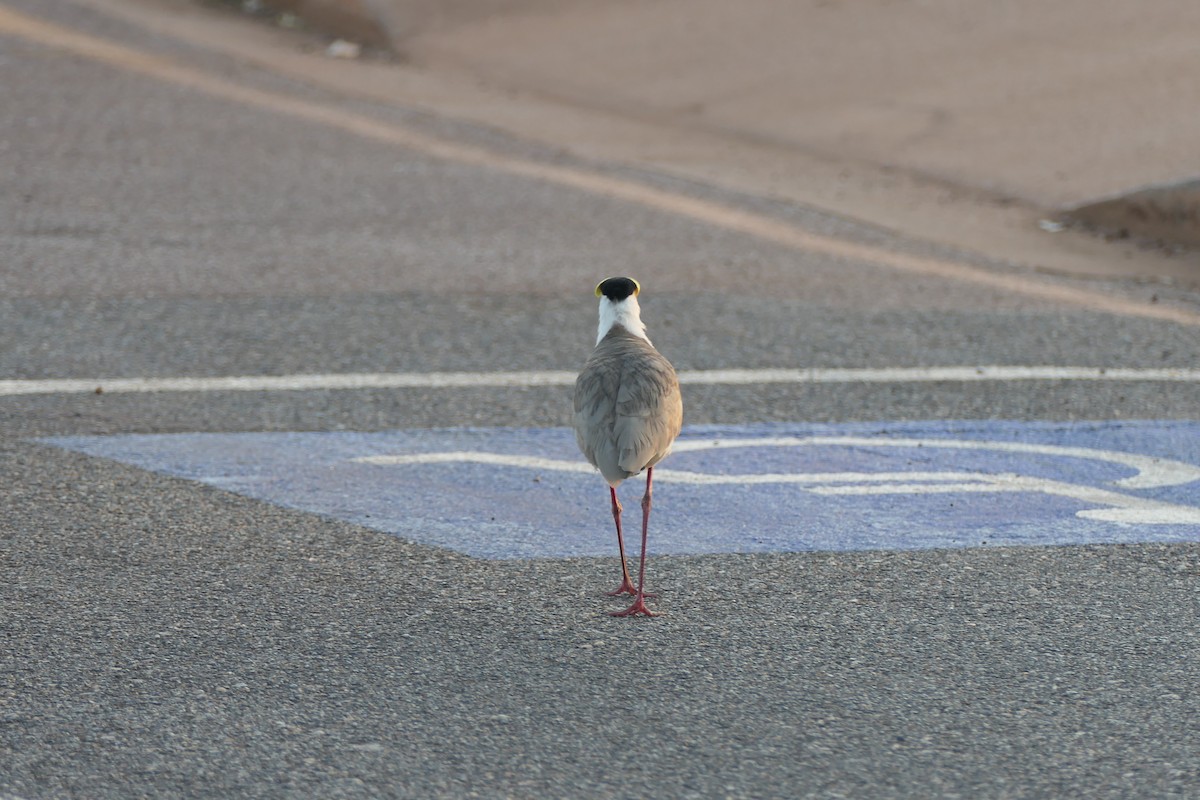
[
  {"x": 638, "y": 607},
  {"x": 627, "y": 588}
]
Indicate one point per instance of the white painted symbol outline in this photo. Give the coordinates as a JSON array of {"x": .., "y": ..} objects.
[{"x": 1117, "y": 506}]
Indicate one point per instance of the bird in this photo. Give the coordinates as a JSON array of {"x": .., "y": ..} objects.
[{"x": 628, "y": 411}]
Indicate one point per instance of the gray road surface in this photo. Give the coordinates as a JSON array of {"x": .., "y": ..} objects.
[{"x": 166, "y": 639}]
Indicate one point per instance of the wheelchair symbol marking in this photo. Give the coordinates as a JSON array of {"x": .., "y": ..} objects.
[{"x": 1149, "y": 472}]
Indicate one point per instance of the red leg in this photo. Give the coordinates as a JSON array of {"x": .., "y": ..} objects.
[
  {"x": 626, "y": 586},
  {"x": 639, "y": 599}
]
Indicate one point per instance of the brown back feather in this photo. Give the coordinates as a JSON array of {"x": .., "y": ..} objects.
[{"x": 628, "y": 408}]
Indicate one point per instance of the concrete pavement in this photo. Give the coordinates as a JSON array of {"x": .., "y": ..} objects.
[{"x": 879, "y": 110}]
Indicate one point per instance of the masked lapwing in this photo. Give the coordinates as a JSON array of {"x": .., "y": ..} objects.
[{"x": 628, "y": 411}]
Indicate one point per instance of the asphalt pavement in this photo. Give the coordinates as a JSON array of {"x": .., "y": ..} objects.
[{"x": 164, "y": 637}]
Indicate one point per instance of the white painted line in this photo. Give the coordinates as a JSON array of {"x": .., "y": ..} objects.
[
  {"x": 917, "y": 488},
  {"x": 931, "y": 374},
  {"x": 291, "y": 383},
  {"x": 478, "y": 457},
  {"x": 534, "y": 378}
]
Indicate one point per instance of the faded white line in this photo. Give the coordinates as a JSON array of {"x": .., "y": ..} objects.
[
  {"x": 708, "y": 212},
  {"x": 535, "y": 378}
]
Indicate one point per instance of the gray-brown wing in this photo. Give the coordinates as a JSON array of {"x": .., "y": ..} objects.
[
  {"x": 649, "y": 411},
  {"x": 595, "y": 413},
  {"x": 628, "y": 409}
]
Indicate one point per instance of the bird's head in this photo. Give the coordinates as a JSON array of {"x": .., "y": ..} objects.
[
  {"x": 619, "y": 306},
  {"x": 617, "y": 289}
]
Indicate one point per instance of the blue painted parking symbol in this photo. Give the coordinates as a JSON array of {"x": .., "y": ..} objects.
[{"x": 527, "y": 493}]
